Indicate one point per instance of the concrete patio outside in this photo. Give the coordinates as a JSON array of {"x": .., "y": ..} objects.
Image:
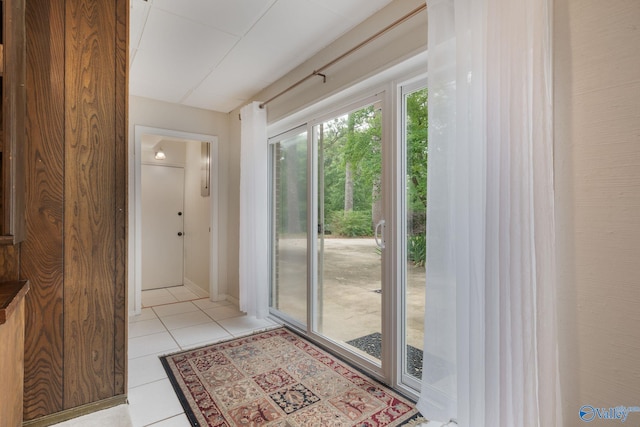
[{"x": 349, "y": 297}]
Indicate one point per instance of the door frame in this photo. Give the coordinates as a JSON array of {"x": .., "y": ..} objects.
[{"x": 135, "y": 212}]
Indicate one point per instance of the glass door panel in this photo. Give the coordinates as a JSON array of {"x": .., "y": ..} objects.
[
  {"x": 415, "y": 207},
  {"x": 289, "y": 227},
  {"x": 349, "y": 262}
]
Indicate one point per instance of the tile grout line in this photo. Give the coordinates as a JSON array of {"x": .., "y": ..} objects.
[
  {"x": 199, "y": 309},
  {"x": 164, "y": 419},
  {"x": 205, "y": 313},
  {"x": 218, "y": 323},
  {"x": 167, "y": 329}
]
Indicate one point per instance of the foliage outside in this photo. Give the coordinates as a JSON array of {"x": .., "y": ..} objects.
[
  {"x": 417, "y": 249},
  {"x": 350, "y": 146},
  {"x": 350, "y": 158},
  {"x": 351, "y": 223},
  {"x": 417, "y": 154}
]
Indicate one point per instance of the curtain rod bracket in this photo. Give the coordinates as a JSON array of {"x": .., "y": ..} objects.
[{"x": 324, "y": 76}]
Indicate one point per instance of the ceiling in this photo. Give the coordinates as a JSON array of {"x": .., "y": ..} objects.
[{"x": 217, "y": 54}]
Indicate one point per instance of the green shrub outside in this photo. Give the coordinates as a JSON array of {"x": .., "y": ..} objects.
[
  {"x": 351, "y": 223},
  {"x": 417, "y": 249}
]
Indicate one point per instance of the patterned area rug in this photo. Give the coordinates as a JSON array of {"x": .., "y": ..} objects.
[{"x": 276, "y": 378}]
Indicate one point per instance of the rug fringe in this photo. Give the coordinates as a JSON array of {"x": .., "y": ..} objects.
[{"x": 415, "y": 422}]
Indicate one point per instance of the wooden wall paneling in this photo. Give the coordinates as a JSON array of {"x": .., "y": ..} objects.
[
  {"x": 13, "y": 120},
  {"x": 42, "y": 251},
  {"x": 89, "y": 219},
  {"x": 9, "y": 262},
  {"x": 75, "y": 253},
  {"x": 121, "y": 186}
]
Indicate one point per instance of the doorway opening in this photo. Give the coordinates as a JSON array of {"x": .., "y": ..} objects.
[{"x": 174, "y": 214}]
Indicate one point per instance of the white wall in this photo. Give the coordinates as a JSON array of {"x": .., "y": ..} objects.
[
  {"x": 196, "y": 221},
  {"x": 147, "y": 112},
  {"x": 597, "y": 157}
]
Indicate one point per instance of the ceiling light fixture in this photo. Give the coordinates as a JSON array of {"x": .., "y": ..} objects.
[{"x": 160, "y": 155}]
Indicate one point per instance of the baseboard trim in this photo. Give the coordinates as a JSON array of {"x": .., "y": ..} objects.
[
  {"x": 195, "y": 288},
  {"x": 76, "y": 412},
  {"x": 232, "y": 300},
  {"x": 235, "y": 301}
]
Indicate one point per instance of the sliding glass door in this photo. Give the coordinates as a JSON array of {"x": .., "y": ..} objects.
[
  {"x": 349, "y": 232},
  {"x": 289, "y": 228},
  {"x": 348, "y": 288}
]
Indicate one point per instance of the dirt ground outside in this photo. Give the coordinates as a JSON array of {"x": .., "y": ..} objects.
[{"x": 349, "y": 288}]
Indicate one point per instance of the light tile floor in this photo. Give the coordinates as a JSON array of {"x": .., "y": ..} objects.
[
  {"x": 155, "y": 297},
  {"x": 168, "y": 325},
  {"x": 171, "y": 320}
]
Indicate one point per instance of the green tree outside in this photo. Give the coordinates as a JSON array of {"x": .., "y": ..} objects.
[{"x": 352, "y": 158}]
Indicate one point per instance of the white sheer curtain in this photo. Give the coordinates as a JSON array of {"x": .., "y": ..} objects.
[
  {"x": 490, "y": 311},
  {"x": 254, "y": 212}
]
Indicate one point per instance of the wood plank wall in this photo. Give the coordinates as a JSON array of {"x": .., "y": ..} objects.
[
  {"x": 9, "y": 262},
  {"x": 42, "y": 250},
  {"x": 75, "y": 251}
]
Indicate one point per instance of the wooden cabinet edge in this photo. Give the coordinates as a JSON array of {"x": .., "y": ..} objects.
[
  {"x": 12, "y": 328},
  {"x": 9, "y": 300}
]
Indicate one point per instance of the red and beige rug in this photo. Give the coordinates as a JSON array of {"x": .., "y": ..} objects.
[{"x": 276, "y": 378}]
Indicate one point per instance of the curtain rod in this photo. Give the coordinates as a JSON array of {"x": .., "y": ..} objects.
[{"x": 318, "y": 72}]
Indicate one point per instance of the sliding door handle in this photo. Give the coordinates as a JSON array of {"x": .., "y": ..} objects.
[{"x": 379, "y": 225}]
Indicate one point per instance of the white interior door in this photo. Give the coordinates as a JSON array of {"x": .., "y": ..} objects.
[{"x": 162, "y": 226}]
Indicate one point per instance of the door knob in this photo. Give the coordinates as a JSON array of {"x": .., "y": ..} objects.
[
  {"x": 179, "y": 233},
  {"x": 179, "y": 213}
]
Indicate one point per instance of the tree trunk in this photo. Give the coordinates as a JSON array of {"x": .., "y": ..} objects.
[
  {"x": 376, "y": 203},
  {"x": 348, "y": 188},
  {"x": 348, "y": 170}
]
